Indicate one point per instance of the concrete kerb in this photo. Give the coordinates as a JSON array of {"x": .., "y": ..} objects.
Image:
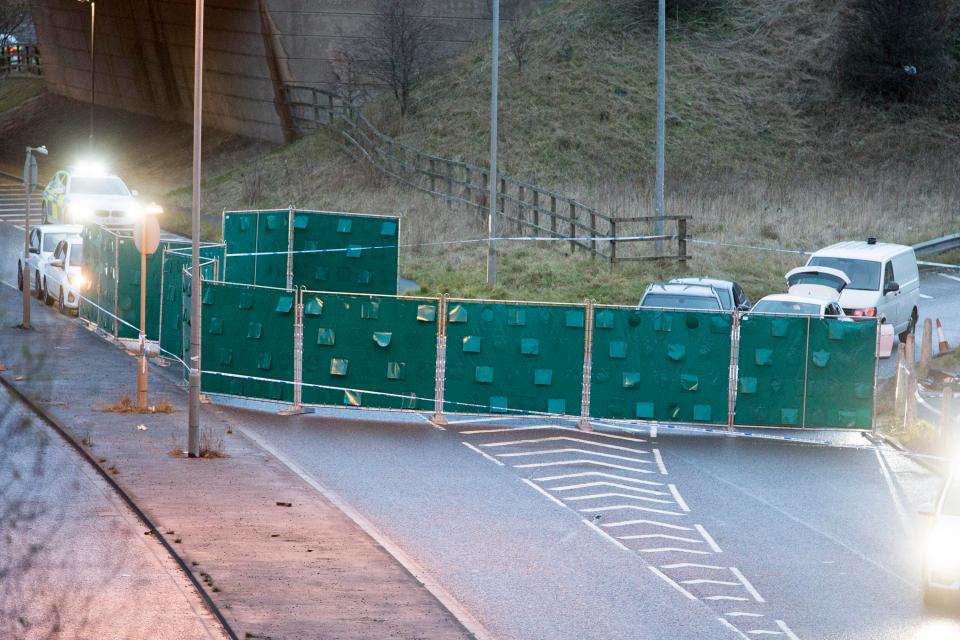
[{"x": 64, "y": 433}]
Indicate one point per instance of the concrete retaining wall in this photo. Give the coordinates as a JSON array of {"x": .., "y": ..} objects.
[{"x": 144, "y": 48}]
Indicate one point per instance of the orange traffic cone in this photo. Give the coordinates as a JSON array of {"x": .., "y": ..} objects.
[{"x": 944, "y": 346}]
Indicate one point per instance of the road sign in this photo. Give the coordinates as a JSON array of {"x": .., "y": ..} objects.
[{"x": 149, "y": 235}]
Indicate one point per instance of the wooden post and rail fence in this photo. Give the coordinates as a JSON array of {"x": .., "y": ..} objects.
[
  {"x": 525, "y": 209},
  {"x": 20, "y": 59}
]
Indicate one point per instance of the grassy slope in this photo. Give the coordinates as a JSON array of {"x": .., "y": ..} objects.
[
  {"x": 14, "y": 91},
  {"x": 759, "y": 151}
]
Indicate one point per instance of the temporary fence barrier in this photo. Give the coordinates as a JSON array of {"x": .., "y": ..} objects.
[
  {"x": 369, "y": 351},
  {"x": 513, "y": 357},
  {"x": 653, "y": 364},
  {"x": 348, "y": 252},
  {"x": 174, "y": 314}
]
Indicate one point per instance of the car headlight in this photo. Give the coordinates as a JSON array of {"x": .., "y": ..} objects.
[
  {"x": 78, "y": 280},
  {"x": 80, "y": 211},
  {"x": 135, "y": 210}
]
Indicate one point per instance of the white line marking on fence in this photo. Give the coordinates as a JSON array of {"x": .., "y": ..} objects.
[
  {"x": 490, "y": 458},
  {"x": 605, "y": 534},
  {"x": 674, "y": 550},
  {"x": 632, "y": 507},
  {"x": 677, "y": 497},
  {"x": 673, "y": 584},
  {"x": 613, "y": 456},
  {"x": 659, "y": 460},
  {"x": 746, "y": 584},
  {"x": 626, "y": 523},
  {"x": 574, "y": 462},
  {"x": 708, "y": 581},
  {"x": 787, "y": 630},
  {"x": 616, "y": 485},
  {"x": 710, "y": 541},
  {"x": 598, "y": 474},
  {"x": 694, "y": 565},
  {"x": 544, "y": 492},
  {"x": 665, "y": 536},
  {"x": 595, "y": 496},
  {"x": 727, "y": 624},
  {"x": 511, "y": 443}
]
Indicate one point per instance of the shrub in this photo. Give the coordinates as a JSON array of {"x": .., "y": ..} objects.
[{"x": 895, "y": 50}]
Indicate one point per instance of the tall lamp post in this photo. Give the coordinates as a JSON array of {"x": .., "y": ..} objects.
[
  {"x": 29, "y": 183},
  {"x": 661, "y": 117},
  {"x": 93, "y": 62},
  {"x": 193, "y": 420},
  {"x": 494, "y": 89}
]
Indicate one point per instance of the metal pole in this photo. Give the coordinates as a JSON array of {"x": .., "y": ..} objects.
[
  {"x": 28, "y": 186},
  {"x": 193, "y": 430},
  {"x": 142, "y": 363},
  {"x": 494, "y": 88},
  {"x": 661, "y": 116},
  {"x": 93, "y": 66}
]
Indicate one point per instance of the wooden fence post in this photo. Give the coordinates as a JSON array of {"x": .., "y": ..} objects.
[
  {"x": 682, "y": 239},
  {"x": 536, "y": 213},
  {"x": 573, "y": 226},
  {"x": 593, "y": 234},
  {"x": 449, "y": 183},
  {"x": 433, "y": 175},
  {"x": 553, "y": 215},
  {"x": 484, "y": 194},
  {"x": 613, "y": 243},
  {"x": 520, "y": 204}
]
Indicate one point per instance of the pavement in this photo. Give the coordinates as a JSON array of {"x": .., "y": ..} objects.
[
  {"x": 86, "y": 567},
  {"x": 279, "y": 559}
]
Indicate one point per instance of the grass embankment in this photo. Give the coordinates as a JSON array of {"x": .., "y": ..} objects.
[
  {"x": 760, "y": 151},
  {"x": 15, "y": 90}
]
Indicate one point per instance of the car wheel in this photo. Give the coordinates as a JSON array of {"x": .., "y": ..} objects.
[
  {"x": 61, "y": 305},
  {"x": 912, "y": 327},
  {"x": 19, "y": 276},
  {"x": 36, "y": 285},
  {"x": 47, "y": 298}
]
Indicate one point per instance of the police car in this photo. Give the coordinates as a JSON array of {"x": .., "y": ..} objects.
[{"x": 87, "y": 195}]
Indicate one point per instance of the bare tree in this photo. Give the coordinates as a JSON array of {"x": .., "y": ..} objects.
[
  {"x": 14, "y": 14},
  {"x": 348, "y": 72},
  {"x": 519, "y": 37},
  {"x": 399, "y": 50}
]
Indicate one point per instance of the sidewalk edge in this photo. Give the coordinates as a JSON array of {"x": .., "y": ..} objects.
[
  {"x": 65, "y": 433},
  {"x": 458, "y": 611}
]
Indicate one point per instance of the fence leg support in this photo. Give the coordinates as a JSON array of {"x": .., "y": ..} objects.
[
  {"x": 297, "y": 407},
  {"x": 584, "y": 423},
  {"x": 438, "y": 418}
]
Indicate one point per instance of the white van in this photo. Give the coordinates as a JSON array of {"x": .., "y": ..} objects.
[{"x": 884, "y": 281}]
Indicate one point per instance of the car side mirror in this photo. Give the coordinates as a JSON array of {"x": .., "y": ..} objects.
[
  {"x": 57, "y": 263},
  {"x": 35, "y": 250},
  {"x": 891, "y": 287}
]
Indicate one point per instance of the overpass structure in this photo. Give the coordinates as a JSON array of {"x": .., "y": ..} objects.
[{"x": 252, "y": 50}]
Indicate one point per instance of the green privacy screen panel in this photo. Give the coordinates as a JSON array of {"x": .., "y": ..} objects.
[
  {"x": 363, "y": 344},
  {"x": 505, "y": 357},
  {"x": 361, "y": 252},
  {"x": 248, "y": 331},
  {"x": 772, "y": 367},
  {"x": 347, "y": 252},
  {"x": 173, "y": 312},
  {"x": 100, "y": 267},
  {"x": 840, "y": 374},
  {"x": 651, "y": 364}
]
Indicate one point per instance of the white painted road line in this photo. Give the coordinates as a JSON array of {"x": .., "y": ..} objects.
[
  {"x": 659, "y": 461},
  {"x": 612, "y": 456},
  {"x": 678, "y": 498},
  {"x": 544, "y": 493},
  {"x": 605, "y": 534},
  {"x": 594, "y": 496},
  {"x": 733, "y": 598},
  {"x": 710, "y": 541},
  {"x": 665, "y": 536},
  {"x": 570, "y": 463},
  {"x": 726, "y": 583},
  {"x": 926, "y": 297},
  {"x": 627, "y": 523},
  {"x": 787, "y": 630},
  {"x": 764, "y": 632},
  {"x": 947, "y": 275},
  {"x": 739, "y": 614},
  {"x": 674, "y": 550},
  {"x": 687, "y": 565},
  {"x": 598, "y": 474},
  {"x": 616, "y": 485},
  {"x": 631, "y": 507},
  {"x": 727, "y": 624},
  {"x": 673, "y": 584},
  {"x": 746, "y": 584},
  {"x": 490, "y": 458},
  {"x": 511, "y": 443}
]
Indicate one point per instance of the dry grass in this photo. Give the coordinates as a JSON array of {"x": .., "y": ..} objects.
[
  {"x": 126, "y": 405},
  {"x": 15, "y": 90}
]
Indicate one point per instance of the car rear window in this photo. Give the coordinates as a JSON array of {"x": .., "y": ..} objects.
[
  {"x": 98, "y": 186},
  {"x": 864, "y": 274},
  {"x": 679, "y": 301},
  {"x": 51, "y": 240},
  {"x": 787, "y": 308}
]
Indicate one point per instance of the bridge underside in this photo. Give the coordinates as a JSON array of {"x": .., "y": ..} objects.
[{"x": 252, "y": 48}]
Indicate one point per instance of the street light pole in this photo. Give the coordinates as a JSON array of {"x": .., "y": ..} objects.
[
  {"x": 494, "y": 88},
  {"x": 93, "y": 63},
  {"x": 661, "y": 116},
  {"x": 193, "y": 424},
  {"x": 29, "y": 182}
]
